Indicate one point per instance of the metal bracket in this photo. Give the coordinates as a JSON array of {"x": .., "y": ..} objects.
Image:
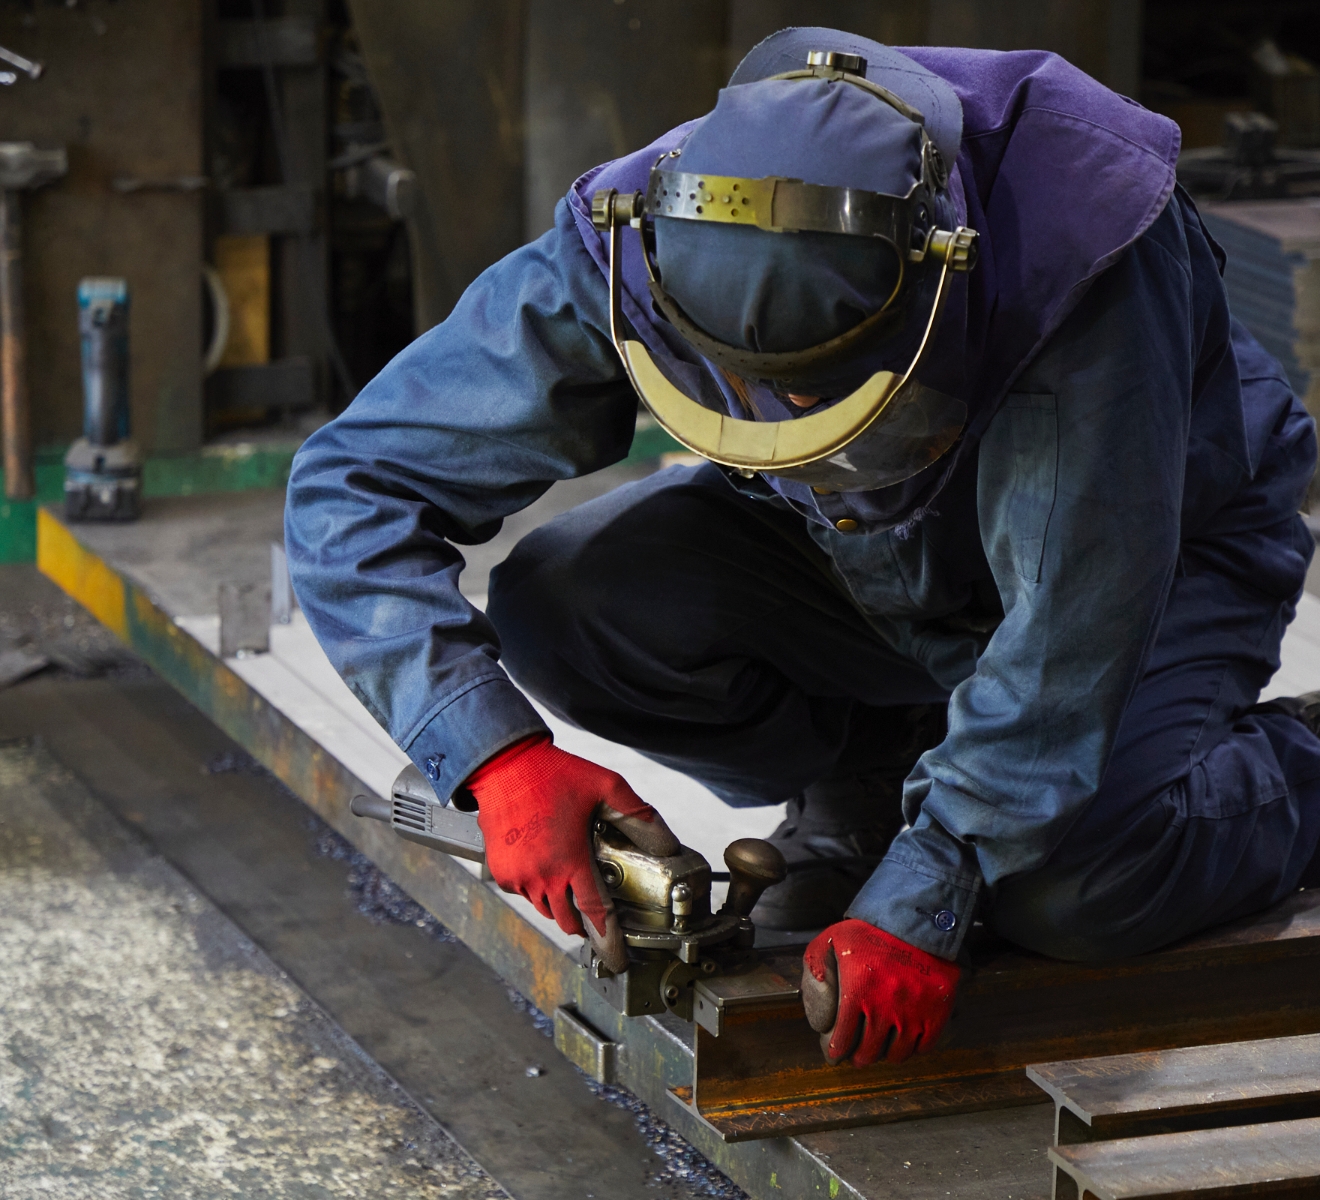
[
  {"x": 634, "y": 992},
  {"x": 585, "y": 1046}
]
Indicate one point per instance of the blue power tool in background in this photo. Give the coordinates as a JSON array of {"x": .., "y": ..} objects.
[{"x": 103, "y": 470}]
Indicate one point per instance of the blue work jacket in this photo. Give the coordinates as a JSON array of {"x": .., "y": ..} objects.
[
  {"x": 1121, "y": 431},
  {"x": 1148, "y": 437}
]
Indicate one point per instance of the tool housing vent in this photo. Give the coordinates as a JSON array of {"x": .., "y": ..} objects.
[{"x": 410, "y": 814}]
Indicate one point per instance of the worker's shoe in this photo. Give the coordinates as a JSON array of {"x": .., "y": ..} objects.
[
  {"x": 1304, "y": 708},
  {"x": 837, "y": 831},
  {"x": 827, "y": 862}
]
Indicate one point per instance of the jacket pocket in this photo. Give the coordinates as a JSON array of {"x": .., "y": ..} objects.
[{"x": 1021, "y": 449}]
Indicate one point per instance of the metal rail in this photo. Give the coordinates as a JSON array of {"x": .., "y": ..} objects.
[{"x": 759, "y": 1071}]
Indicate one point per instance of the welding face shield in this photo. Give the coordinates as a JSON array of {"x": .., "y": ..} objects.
[{"x": 839, "y": 280}]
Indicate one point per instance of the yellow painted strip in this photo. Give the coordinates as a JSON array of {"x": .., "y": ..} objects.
[{"x": 81, "y": 574}]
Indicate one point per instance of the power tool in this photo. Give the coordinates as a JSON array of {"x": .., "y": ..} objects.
[
  {"x": 103, "y": 470},
  {"x": 663, "y": 904}
]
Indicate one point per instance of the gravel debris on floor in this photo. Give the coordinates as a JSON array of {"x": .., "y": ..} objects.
[
  {"x": 683, "y": 1163},
  {"x": 380, "y": 899},
  {"x": 147, "y": 1048},
  {"x": 39, "y": 621}
]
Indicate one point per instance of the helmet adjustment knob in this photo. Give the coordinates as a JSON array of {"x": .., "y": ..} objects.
[
  {"x": 955, "y": 247},
  {"x": 836, "y": 60},
  {"x": 610, "y": 206}
]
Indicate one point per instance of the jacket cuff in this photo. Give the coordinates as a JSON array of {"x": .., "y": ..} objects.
[
  {"x": 476, "y": 724},
  {"x": 924, "y": 905}
]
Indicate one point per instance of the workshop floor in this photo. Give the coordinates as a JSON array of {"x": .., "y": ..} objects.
[
  {"x": 152, "y": 1050},
  {"x": 204, "y": 992}
]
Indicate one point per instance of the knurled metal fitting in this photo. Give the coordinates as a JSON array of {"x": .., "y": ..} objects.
[
  {"x": 956, "y": 247},
  {"x": 610, "y": 206}
]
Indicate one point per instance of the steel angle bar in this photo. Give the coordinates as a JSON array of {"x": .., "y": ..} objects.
[{"x": 758, "y": 1069}]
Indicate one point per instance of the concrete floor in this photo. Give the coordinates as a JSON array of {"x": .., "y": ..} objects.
[
  {"x": 111, "y": 784},
  {"x": 153, "y": 1050}
]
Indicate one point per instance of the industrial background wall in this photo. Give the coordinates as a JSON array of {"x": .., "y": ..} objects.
[
  {"x": 596, "y": 78},
  {"x": 243, "y": 135},
  {"x": 449, "y": 80},
  {"x": 122, "y": 91}
]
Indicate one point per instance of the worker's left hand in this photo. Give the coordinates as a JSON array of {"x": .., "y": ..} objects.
[{"x": 870, "y": 995}]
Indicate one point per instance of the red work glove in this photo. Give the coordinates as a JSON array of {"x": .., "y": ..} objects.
[
  {"x": 870, "y": 995},
  {"x": 536, "y": 805}
]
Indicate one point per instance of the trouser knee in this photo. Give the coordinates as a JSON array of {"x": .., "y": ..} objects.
[{"x": 1049, "y": 916}]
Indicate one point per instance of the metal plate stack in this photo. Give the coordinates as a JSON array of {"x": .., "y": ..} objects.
[{"x": 1273, "y": 280}]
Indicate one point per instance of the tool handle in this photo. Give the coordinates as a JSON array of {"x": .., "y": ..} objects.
[
  {"x": 754, "y": 865},
  {"x": 29, "y": 68},
  {"x": 371, "y": 806}
]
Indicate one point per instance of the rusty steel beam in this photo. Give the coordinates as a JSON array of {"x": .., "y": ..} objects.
[{"x": 759, "y": 1071}]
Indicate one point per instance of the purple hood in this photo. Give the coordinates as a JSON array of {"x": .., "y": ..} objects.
[{"x": 1058, "y": 175}]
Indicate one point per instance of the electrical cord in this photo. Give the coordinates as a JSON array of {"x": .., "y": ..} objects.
[
  {"x": 285, "y": 159},
  {"x": 816, "y": 864}
]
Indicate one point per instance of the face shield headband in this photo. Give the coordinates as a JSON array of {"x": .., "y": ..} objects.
[{"x": 908, "y": 425}]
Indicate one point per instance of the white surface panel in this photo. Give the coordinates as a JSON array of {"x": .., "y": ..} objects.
[{"x": 1300, "y": 653}]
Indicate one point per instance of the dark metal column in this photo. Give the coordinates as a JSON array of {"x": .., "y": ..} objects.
[
  {"x": 19, "y": 483},
  {"x": 604, "y": 77},
  {"x": 302, "y": 320},
  {"x": 449, "y": 80}
]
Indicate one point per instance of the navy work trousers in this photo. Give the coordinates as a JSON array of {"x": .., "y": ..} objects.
[{"x": 707, "y": 632}]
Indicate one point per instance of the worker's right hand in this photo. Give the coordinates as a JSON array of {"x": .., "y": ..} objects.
[{"x": 536, "y": 805}]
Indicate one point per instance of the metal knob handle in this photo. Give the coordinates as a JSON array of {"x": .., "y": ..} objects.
[{"x": 754, "y": 865}]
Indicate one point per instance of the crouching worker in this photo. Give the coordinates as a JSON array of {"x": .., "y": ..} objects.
[{"x": 992, "y": 556}]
